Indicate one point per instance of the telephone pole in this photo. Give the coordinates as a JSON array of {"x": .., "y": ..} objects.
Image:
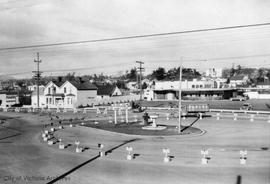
[
  {"x": 37, "y": 75},
  {"x": 140, "y": 68},
  {"x": 180, "y": 97}
]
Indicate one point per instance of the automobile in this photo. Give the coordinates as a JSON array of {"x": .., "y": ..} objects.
[
  {"x": 246, "y": 107},
  {"x": 238, "y": 98}
]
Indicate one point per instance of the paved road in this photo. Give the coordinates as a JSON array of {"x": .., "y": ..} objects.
[{"x": 27, "y": 159}]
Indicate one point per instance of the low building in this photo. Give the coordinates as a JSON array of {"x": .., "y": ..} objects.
[
  {"x": 258, "y": 94},
  {"x": 191, "y": 89},
  {"x": 106, "y": 91},
  {"x": 263, "y": 85},
  {"x": 213, "y": 72},
  {"x": 8, "y": 98},
  {"x": 34, "y": 87},
  {"x": 238, "y": 80}
]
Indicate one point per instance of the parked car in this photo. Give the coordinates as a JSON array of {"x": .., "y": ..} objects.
[
  {"x": 238, "y": 98},
  {"x": 246, "y": 107}
]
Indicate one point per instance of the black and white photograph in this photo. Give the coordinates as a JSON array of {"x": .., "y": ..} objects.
[{"x": 134, "y": 91}]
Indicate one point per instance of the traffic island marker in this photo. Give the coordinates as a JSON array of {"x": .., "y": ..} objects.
[
  {"x": 243, "y": 157},
  {"x": 166, "y": 158},
  {"x": 129, "y": 155},
  {"x": 205, "y": 158}
]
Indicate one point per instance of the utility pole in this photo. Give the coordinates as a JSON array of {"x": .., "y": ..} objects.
[
  {"x": 180, "y": 97},
  {"x": 140, "y": 68},
  {"x": 37, "y": 77}
]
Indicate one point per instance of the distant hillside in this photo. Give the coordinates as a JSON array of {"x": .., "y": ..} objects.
[{"x": 5, "y": 77}]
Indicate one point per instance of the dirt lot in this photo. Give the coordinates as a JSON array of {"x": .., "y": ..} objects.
[{"x": 25, "y": 158}]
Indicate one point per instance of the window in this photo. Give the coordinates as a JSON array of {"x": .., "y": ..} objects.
[
  {"x": 47, "y": 100},
  {"x": 193, "y": 86},
  {"x": 49, "y": 90},
  {"x": 65, "y": 90}
]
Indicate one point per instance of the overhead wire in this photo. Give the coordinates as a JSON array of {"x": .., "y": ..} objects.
[{"x": 134, "y": 37}]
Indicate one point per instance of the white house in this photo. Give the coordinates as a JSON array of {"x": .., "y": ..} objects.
[{"x": 69, "y": 94}]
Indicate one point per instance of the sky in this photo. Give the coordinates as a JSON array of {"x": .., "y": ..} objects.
[{"x": 33, "y": 22}]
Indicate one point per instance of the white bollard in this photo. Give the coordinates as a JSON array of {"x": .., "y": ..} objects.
[
  {"x": 96, "y": 122},
  {"x": 200, "y": 114},
  {"x": 82, "y": 123},
  {"x": 46, "y": 131},
  {"x": 184, "y": 117},
  {"x": 70, "y": 125},
  {"x": 78, "y": 150},
  {"x": 60, "y": 127},
  {"x": 43, "y": 135},
  {"x": 204, "y": 159},
  {"x": 129, "y": 155},
  {"x": 243, "y": 158},
  {"x": 50, "y": 142},
  {"x": 45, "y": 139},
  {"x": 61, "y": 146},
  {"x": 234, "y": 117},
  {"x": 166, "y": 158},
  {"x": 52, "y": 129},
  {"x": 167, "y": 116},
  {"x": 101, "y": 151},
  {"x": 252, "y": 117},
  {"x": 218, "y": 116}
]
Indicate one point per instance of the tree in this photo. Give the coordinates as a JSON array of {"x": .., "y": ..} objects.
[
  {"x": 159, "y": 74},
  {"x": 144, "y": 85},
  {"x": 232, "y": 72},
  {"x": 132, "y": 75},
  {"x": 238, "y": 69}
]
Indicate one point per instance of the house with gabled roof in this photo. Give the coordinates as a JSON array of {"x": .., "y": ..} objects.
[
  {"x": 238, "y": 80},
  {"x": 106, "y": 91},
  {"x": 69, "y": 94}
]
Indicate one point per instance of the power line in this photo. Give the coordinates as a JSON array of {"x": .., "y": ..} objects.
[
  {"x": 133, "y": 37},
  {"x": 151, "y": 61}
]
